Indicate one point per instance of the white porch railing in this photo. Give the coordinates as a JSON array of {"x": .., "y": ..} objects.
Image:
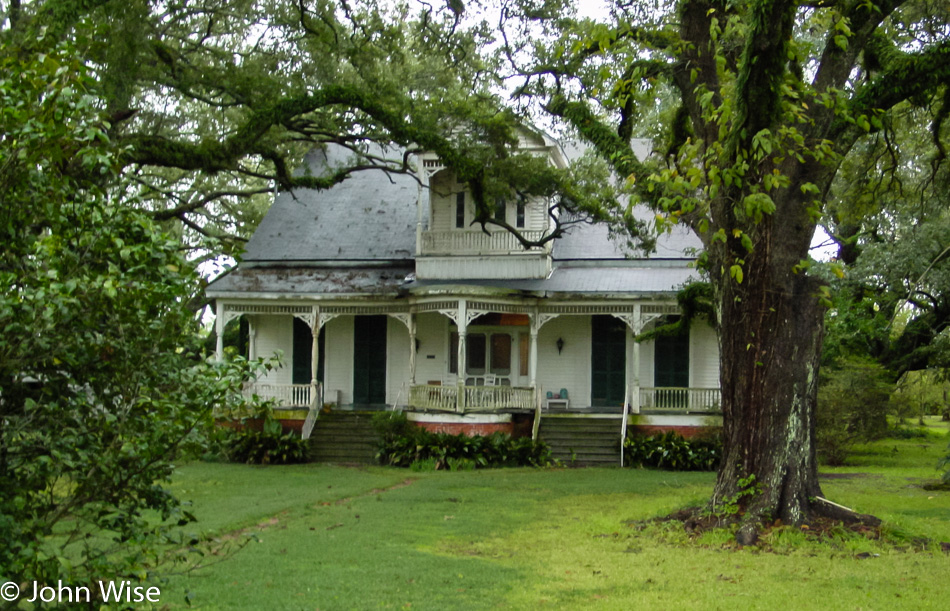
[
  {"x": 681, "y": 399},
  {"x": 286, "y": 395},
  {"x": 474, "y": 242},
  {"x": 434, "y": 397},
  {"x": 473, "y": 398},
  {"x": 490, "y": 398}
]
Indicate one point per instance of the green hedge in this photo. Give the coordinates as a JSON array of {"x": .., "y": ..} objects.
[
  {"x": 405, "y": 445},
  {"x": 673, "y": 452},
  {"x": 268, "y": 446}
]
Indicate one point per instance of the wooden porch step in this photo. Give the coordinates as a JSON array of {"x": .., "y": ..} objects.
[
  {"x": 344, "y": 437},
  {"x": 582, "y": 441}
]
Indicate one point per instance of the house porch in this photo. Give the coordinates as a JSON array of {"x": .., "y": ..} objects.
[{"x": 517, "y": 355}]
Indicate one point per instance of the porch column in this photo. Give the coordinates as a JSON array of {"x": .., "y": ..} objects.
[
  {"x": 423, "y": 210},
  {"x": 251, "y": 339},
  {"x": 635, "y": 361},
  {"x": 533, "y": 353},
  {"x": 462, "y": 365},
  {"x": 314, "y": 359},
  {"x": 219, "y": 332},
  {"x": 412, "y": 349}
]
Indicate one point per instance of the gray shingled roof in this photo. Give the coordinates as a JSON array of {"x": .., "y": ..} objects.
[
  {"x": 370, "y": 219},
  {"x": 369, "y": 216},
  {"x": 586, "y": 241}
]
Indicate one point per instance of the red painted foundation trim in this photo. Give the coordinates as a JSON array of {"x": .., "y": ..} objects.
[{"x": 292, "y": 425}]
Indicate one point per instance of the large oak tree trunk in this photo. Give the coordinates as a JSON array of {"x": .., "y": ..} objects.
[
  {"x": 771, "y": 330},
  {"x": 770, "y": 335}
]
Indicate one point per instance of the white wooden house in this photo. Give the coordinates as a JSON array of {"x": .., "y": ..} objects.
[{"x": 379, "y": 293}]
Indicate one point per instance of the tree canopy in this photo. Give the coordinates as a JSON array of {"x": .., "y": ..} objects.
[
  {"x": 134, "y": 134},
  {"x": 102, "y": 379},
  {"x": 889, "y": 213},
  {"x": 757, "y": 108},
  {"x": 770, "y": 97},
  {"x": 214, "y": 104}
]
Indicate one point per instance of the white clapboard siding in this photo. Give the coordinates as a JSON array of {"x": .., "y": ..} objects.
[
  {"x": 703, "y": 356},
  {"x": 397, "y": 362},
  {"x": 571, "y": 368},
  {"x": 339, "y": 356},
  {"x": 273, "y": 334}
]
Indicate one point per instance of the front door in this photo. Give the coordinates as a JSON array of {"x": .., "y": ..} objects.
[
  {"x": 608, "y": 362},
  {"x": 369, "y": 360}
]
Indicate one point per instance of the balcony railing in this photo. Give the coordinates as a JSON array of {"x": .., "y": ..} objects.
[
  {"x": 432, "y": 397},
  {"x": 681, "y": 399},
  {"x": 475, "y": 242}
]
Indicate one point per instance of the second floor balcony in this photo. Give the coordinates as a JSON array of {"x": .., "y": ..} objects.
[{"x": 477, "y": 242}]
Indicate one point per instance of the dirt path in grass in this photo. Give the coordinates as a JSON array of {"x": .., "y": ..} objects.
[
  {"x": 375, "y": 491},
  {"x": 275, "y": 520}
]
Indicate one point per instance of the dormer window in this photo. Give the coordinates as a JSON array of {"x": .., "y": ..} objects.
[{"x": 460, "y": 210}]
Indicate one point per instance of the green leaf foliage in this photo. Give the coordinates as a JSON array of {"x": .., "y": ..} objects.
[
  {"x": 102, "y": 381},
  {"x": 403, "y": 444},
  {"x": 265, "y": 447},
  {"x": 853, "y": 403},
  {"x": 673, "y": 452}
]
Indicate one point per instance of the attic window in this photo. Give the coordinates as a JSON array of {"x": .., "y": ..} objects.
[{"x": 459, "y": 210}]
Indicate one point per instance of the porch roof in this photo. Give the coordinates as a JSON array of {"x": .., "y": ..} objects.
[
  {"x": 617, "y": 280},
  {"x": 609, "y": 280},
  {"x": 253, "y": 281}
]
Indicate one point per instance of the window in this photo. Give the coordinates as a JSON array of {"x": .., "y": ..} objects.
[
  {"x": 484, "y": 353},
  {"x": 671, "y": 360},
  {"x": 501, "y": 354},
  {"x": 459, "y": 210},
  {"x": 475, "y": 354},
  {"x": 519, "y": 214},
  {"x": 524, "y": 351},
  {"x": 500, "y": 207}
]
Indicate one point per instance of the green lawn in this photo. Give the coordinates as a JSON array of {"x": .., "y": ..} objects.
[{"x": 366, "y": 538}]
